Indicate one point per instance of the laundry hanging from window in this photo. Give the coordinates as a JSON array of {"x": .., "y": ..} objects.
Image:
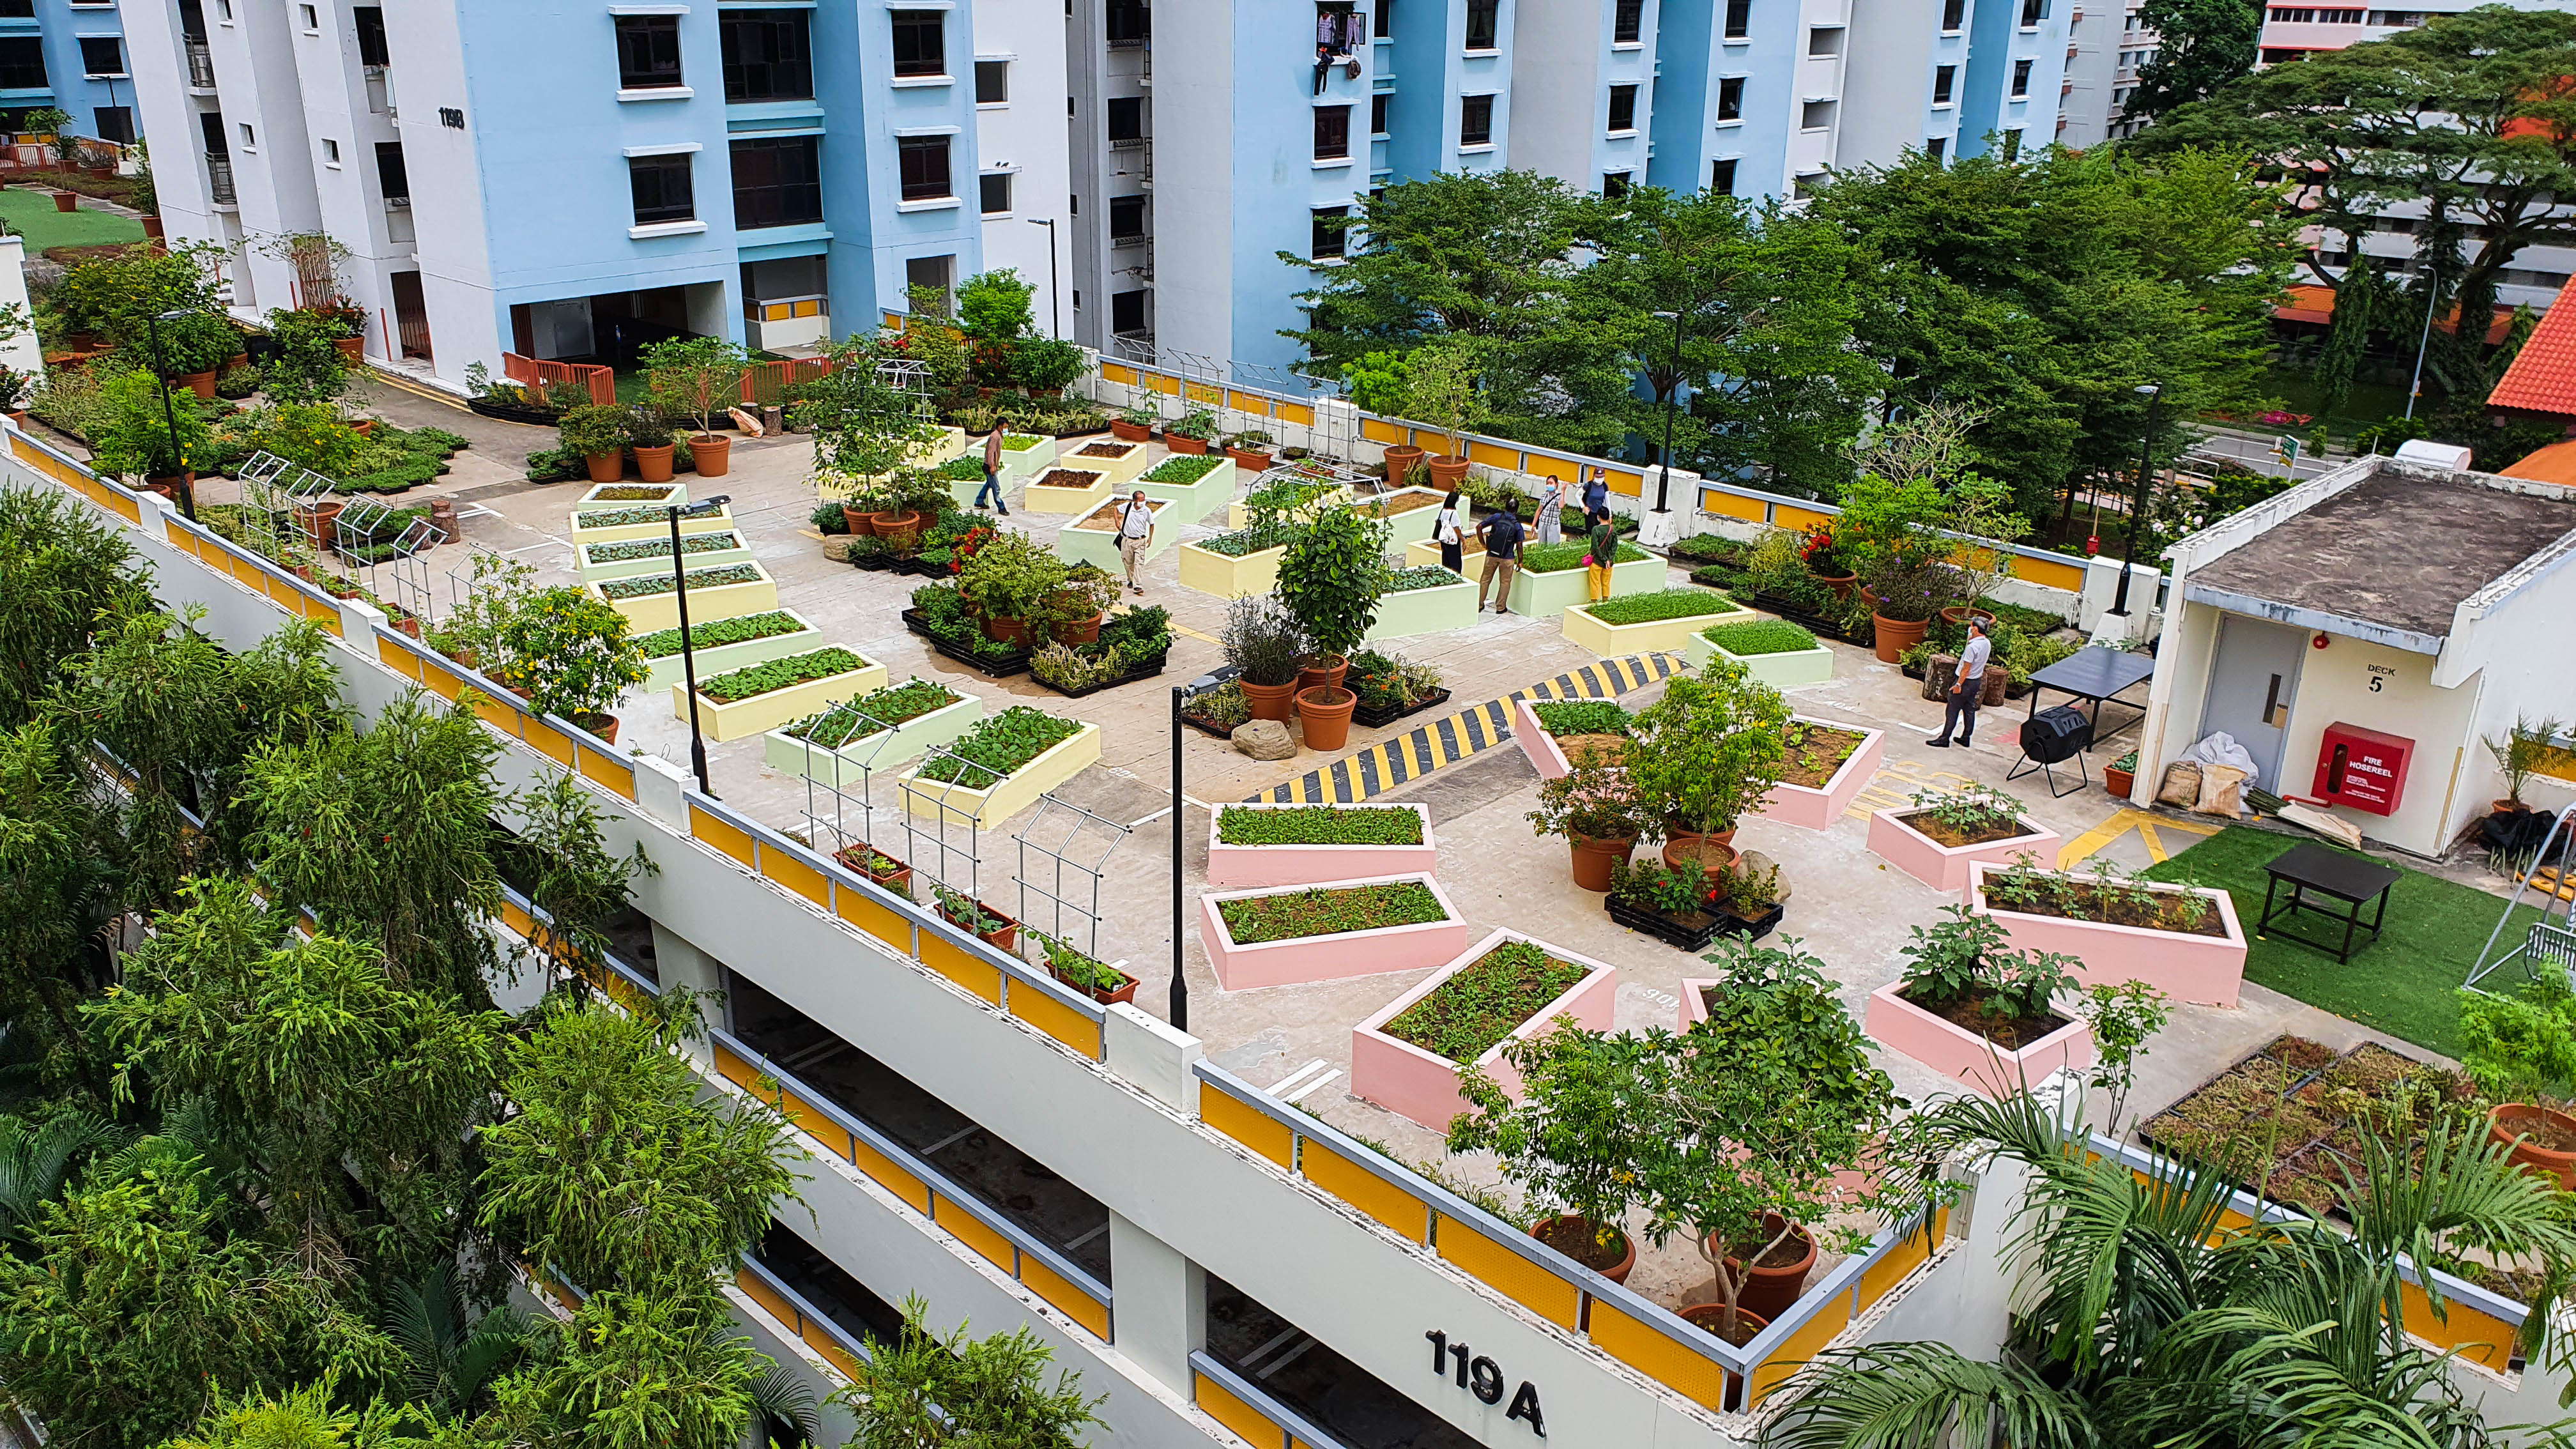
[{"x": 1339, "y": 33}]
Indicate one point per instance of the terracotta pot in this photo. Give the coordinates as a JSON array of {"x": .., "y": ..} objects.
[
  {"x": 2494, "y": 807},
  {"x": 1327, "y": 675},
  {"x": 893, "y": 522},
  {"x": 713, "y": 453},
  {"x": 1772, "y": 1291},
  {"x": 1707, "y": 1316},
  {"x": 855, "y": 859},
  {"x": 1448, "y": 472},
  {"x": 1270, "y": 701},
  {"x": 353, "y": 350},
  {"x": 364, "y": 427},
  {"x": 1676, "y": 832},
  {"x": 1127, "y": 432},
  {"x": 1080, "y": 631},
  {"x": 319, "y": 520},
  {"x": 602, "y": 725},
  {"x": 1962, "y": 613},
  {"x": 653, "y": 465},
  {"x": 18, "y": 416},
  {"x": 200, "y": 383},
  {"x": 1617, "y": 1272},
  {"x": 238, "y": 359},
  {"x": 1007, "y": 938},
  {"x": 2117, "y": 781},
  {"x": 66, "y": 201},
  {"x": 1326, "y": 715},
  {"x": 1841, "y": 584},
  {"x": 1249, "y": 461},
  {"x": 1713, "y": 854},
  {"x": 1001, "y": 630},
  {"x": 408, "y": 625},
  {"x": 1126, "y": 993},
  {"x": 863, "y": 524},
  {"x": 1179, "y": 444},
  {"x": 606, "y": 467},
  {"x": 1593, "y": 859},
  {"x": 152, "y": 228},
  {"x": 1895, "y": 636},
  {"x": 167, "y": 485},
  {"x": 2516, "y": 1118},
  {"x": 1400, "y": 463}
]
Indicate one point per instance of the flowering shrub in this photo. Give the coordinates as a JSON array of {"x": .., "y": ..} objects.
[{"x": 570, "y": 651}]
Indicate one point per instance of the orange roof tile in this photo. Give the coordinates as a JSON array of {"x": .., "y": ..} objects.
[
  {"x": 2310, "y": 302},
  {"x": 2542, "y": 378},
  {"x": 2553, "y": 464}
]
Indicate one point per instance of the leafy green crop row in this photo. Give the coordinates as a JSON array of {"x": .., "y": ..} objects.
[
  {"x": 741, "y": 629},
  {"x": 883, "y": 709},
  {"x": 1319, "y": 825},
  {"x": 1760, "y": 636},
  {"x": 991, "y": 751},
  {"x": 1582, "y": 717},
  {"x": 780, "y": 674},
  {"x": 1296, "y": 914},
  {"x": 1549, "y": 558},
  {"x": 1183, "y": 468},
  {"x": 661, "y": 547},
  {"x": 1662, "y": 604},
  {"x": 1485, "y": 1002},
  {"x": 714, "y": 578}
]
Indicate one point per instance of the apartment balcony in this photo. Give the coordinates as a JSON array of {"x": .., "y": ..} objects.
[
  {"x": 201, "y": 66},
  {"x": 219, "y": 180}
]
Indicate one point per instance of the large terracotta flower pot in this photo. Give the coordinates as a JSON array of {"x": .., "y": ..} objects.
[
  {"x": 653, "y": 465},
  {"x": 2515, "y": 1119},
  {"x": 1127, "y": 432},
  {"x": 1841, "y": 584},
  {"x": 200, "y": 383},
  {"x": 353, "y": 350},
  {"x": 1556, "y": 1231},
  {"x": 1250, "y": 461},
  {"x": 320, "y": 520},
  {"x": 1772, "y": 1291},
  {"x": 1001, "y": 630},
  {"x": 66, "y": 201},
  {"x": 894, "y": 522},
  {"x": 1401, "y": 460},
  {"x": 713, "y": 454},
  {"x": 1593, "y": 859},
  {"x": 602, "y": 725},
  {"x": 605, "y": 467},
  {"x": 1270, "y": 701},
  {"x": 1326, "y": 674},
  {"x": 1080, "y": 631},
  {"x": 1449, "y": 471},
  {"x": 152, "y": 228},
  {"x": 1712, "y": 852},
  {"x": 1895, "y": 636},
  {"x": 1326, "y": 715},
  {"x": 862, "y": 523},
  {"x": 1179, "y": 444}
]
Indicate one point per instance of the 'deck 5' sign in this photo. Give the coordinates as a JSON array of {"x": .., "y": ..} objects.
[{"x": 1483, "y": 1377}]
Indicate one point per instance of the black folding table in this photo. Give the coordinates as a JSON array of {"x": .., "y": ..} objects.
[
  {"x": 2098, "y": 673},
  {"x": 2351, "y": 880}
]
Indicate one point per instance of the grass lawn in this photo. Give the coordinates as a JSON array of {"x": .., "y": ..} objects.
[
  {"x": 33, "y": 214},
  {"x": 2368, "y": 402},
  {"x": 2403, "y": 983}
]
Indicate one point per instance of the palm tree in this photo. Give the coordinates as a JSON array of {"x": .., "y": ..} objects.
[
  {"x": 450, "y": 1354},
  {"x": 2152, "y": 1321},
  {"x": 37, "y": 1163}
]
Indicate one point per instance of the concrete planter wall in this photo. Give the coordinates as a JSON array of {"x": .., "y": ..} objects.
[
  {"x": 1536, "y": 743},
  {"x": 720, "y": 521},
  {"x": 2209, "y": 970},
  {"x": 744, "y": 718},
  {"x": 670, "y": 493},
  {"x": 1414, "y": 525},
  {"x": 1562, "y": 590},
  {"x": 1411, "y": 1082},
  {"x": 1424, "y": 554},
  {"x": 1253, "y": 866},
  {"x": 1335, "y": 957},
  {"x": 1813, "y": 808},
  {"x": 725, "y": 658},
  {"x": 1190, "y": 501},
  {"x": 1666, "y": 635},
  {"x": 1121, "y": 468},
  {"x": 851, "y": 764},
  {"x": 1780, "y": 671},
  {"x": 1065, "y": 498},
  {"x": 1424, "y": 611},
  {"x": 649, "y": 612},
  {"x": 1227, "y": 577},
  {"x": 631, "y": 568},
  {"x": 1963, "y": 1056},
  {"x": 1099, "y": 546},
  {"x": 1023, "y": 462},
  {"x": 1008, "y": 796},
  {"x": 1945, "y": 867}
]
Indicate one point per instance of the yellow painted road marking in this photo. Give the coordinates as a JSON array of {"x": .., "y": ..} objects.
[{"x": 2121, "y": 822}]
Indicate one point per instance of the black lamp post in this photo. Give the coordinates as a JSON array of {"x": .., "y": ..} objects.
[
  {"x": 688, "y": 654},
  {"x": 2138, "y": 507},
  {"x": 1055, "y": 288},
  {"x": 1179, "y": 1009},
  {"x": 169, "y": 414},
  {"x": 1672, "y": 406}
]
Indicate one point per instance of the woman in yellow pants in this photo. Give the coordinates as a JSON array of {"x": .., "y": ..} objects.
[{"x": 1605, "y": 552}]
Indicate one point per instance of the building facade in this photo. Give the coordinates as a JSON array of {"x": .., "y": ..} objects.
[{"x": 68, "y": 54}]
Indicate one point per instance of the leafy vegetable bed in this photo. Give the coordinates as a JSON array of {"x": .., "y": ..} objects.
[
  {"x": 714, "y": 578},
  {"x": 1183, "y": 468},
  {"x": 1549, "y": 558},
  {"x": 661, "y": 547},
  {"x": 1485, "y": 1002},
  {"x": 1582, "y": 717},
  {"x": 1294, "y": 915},
  {"x": 1662, "y": 604},
  {"x": 780, "y": 674},
  {"x": 2291, "y": 1116},
  {"x": 884, "y": 709},
  {"x": 1405, "y": 581},
  {"x": 1319, "y": 825},
  {"x": 1759, "y": 636},
  {"x": 663, "y": 643},
  {"x": 991, "y": 751}
]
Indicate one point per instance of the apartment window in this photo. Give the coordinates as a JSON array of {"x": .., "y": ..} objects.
[
  {"x": 1377, "y": 113},
  {"x": 22, "y": 63},
  {"x": 1721, "y": 177},
  {"x": 1482, "y": 24},
  {"x": 312, "y": 19},
  {"x": 767, "y": 55},
  {"x": 1126, "y": 119},
  {"x": 1628, "y": 22},
  {"x": 210, "y": 125},
  {"x": 1332, "y": 133},
  {"x": 2033, "y": 12},
  {"x": 2021, "y": 79},
  {"x": 1623, "y": 108},
  {"x": 225, "y": 9},
  {"x": 1954, "y": 14},
  {"x": 1730, "y": 98},
  {"x": 115, "y": 123},
  {"x": 102, "y": 55},
  {"x": 391, "y": 173},
  {"x": 330, "y": 152},
  {"x": 1126, "y": 218},
  {"x": 1614, "y": 184},
  {"x": 778, "y": 180},
  {"x": 1130, "y": 23},
  {"x": 1739, "y": 19},
  {"x": 920, "y": 42},
  {"x": 937, "y": 274},
  {"x": 1815, "y": 115},
  {"x": 648, "y": 51},
  {"x": 992, "y": 82},
  {"x": 370, "y": 20},
  {"x": 662, "y": 189},
  {"x": 1475, "y": 120},
  {"x": 250, "y": 138},
  {"x": 1936, "y": 148},
  {"x": 2012, "y": 144},
  {"x": 17, "y": 9},
  {"x": 1945, "y": 84},
  {"x": 924, "y": 162},
  {"x": 1126, "y": 312},
  {"x": 996, "y": 190},
  {"x": 1824, "y": 42},
  {"x": 1382, "y": 24},
  {"x": 1326, "y": 237}
]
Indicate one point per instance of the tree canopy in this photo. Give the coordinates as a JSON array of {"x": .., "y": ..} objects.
[{"x": 2200, "y": 46}]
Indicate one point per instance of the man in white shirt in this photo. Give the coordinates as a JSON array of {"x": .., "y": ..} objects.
[
  {"x": 1135, "y": 533},
  {"x": 1959, "y": 715}
]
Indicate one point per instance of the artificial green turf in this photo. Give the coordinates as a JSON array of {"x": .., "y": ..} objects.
[
  {"x": 2405, "y": 983},
  {"x": 33, "y": 214}
]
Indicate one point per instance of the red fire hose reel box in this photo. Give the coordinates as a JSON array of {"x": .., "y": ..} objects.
[{"x": 2364, "y": 769}]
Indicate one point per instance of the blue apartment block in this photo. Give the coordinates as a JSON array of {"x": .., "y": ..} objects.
[{"x": 71, "y": 54}]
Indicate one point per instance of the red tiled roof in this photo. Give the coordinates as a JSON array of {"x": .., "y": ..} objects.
[
  {"x": 2553, "y": 464},
  {"x": 2542, "y": 378},
  {"x": 2312, "y": 303}
]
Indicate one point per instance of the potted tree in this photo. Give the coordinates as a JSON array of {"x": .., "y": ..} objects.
[
  {"x": 1046, "y": 366},
  {"x": 597, "y": 435},
  {"x": 1134, "y": 425},
  {"x": 1597, "y": 808},
  {"x": 1264, "y": 643},
  {"x": 698, "y": 377},
  {"x": 1440, "y": 389},
  {"x": 2521, "y": 1051},
  {"x": 1568, "y": 1140},
  {"x": 137, "y": 439},
  {"x": 1331, "y": 577},
  {"x": 1193, "y": 432},
  {"x": 1705, "y": 755},
  {"x": 570, "y": 650},
  {"x": 649, "y": 434},
  {"x": 1006, "y": 580},
  {"x": 1888, "y": 531},
  {"x": 2522, "y": 752},
  {"x": 1072, "y": 614}
]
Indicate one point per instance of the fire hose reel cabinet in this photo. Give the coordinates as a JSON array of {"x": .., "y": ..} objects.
[{"x": 2362, "y": 768}]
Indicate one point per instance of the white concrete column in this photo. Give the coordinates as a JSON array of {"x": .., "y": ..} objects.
[
  {"x": 2102, "y": 585},
  {"x": 1162, "y": 1304},
  {"x": 661, "y": 790},
  {"x": 1154, "y": 1056},
  {"x": 1659, "y": 530},
  {"x": 358, "y": 623},
  {"x": 677, "y": 962}
]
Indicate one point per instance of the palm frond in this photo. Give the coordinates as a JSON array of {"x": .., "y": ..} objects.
[
  {"x": 786, "y": 1406},
  {"x": 37, "y": 1162},
  {"x": 1924, "y": 1396}
]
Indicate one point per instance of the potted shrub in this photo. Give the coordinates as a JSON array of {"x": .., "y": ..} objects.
[
  {"x": 880, "y": 868},
  {"x": 136, "y": 439},
  {"x": 698, "y": 377},
  {"x": 2120, "y": 775},
  {"x": 1072, "y": 614},
  {"x": 860, "y": 509},
  {"x": 1816, "y": 550},
  {"x": 597, "y": 435},
  {"x": 1098, "y": 980},
  {"x": 2521, "y": 1051},
  {"x": 1440, "y": 389},
  {"x": 1331, "y": 577},
  {"x": 1597, "y": 808},
  {"x": 571, "y": 652},
  {"x": 1567, "y": 1140},
  {"x": 2521, "y": 752},
  {"x": 1134, "y": 425},
  {"x": 1977, "y": 1011},
  {"x": 1250, "y": 451},
  {"x": 1005, "y": 582},
  {"x": 1264, "y": 644},
  {"x": 968, "y": 914},
  {"x": 1704, "y": 755},
  {"x": 1046, "y": 366},
  {"x": 649, "y": 434},
  {"x": 1192, "y": 433}
]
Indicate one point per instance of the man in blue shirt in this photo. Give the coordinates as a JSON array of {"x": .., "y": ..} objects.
[{"x": 1502, "y": 534}]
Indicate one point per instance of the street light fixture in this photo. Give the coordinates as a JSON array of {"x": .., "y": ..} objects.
[
  {"x": 2138, "y": 506},
  {"x": 1672, "y": 406},
  {"x": 688, "y": 654},
  {"x": 1055, "y": 288},
  {"x": 169, "y": 415}
]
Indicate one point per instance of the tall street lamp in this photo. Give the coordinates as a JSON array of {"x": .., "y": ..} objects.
[
  {"x": 688, "y": 654},
  {"x": 1055, "y": 289},
  {"x": 169, "y": 415},
  {"x": 1672, "y": 406},
  {"x": 2138, "y": 508}
]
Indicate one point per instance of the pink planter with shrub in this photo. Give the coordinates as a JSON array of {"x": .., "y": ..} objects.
[
  {"x": 1945, "y": 867},
  {"x": 1537, "y": 743},
  {"x": 2184, "y": 965},
  {"x": 1332, "y": 957},
  {"x": 1245, "y": 866},
  {"x": 1963, "y": 1056},
  {"x": 1411, "y": 1082}
]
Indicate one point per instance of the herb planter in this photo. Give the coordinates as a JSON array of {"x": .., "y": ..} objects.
[
  {"x": 665, "y": 495},
  {"x": 1333, "y": 956},
  {"x": 742, "y": 718},
  {"x": 1424, "y": 611},
  {"x": 1410, "y": 520},
  {"x": 1123, "y": 993},
  {"x": 991, "y": 666},
  {"x": 1025, "y": 454},
  {"x": 2184, "y": 965},
  {"x": 664, "y": 671},
  {"x": 1946, "y": 867},
  {"x": 1117, "y": 457},
  {"x": 1818, "y": 807},
  {"x": 1556, "y": 592},
  {"x": 849, "y": 764},
  {"x": 1229, "y": 577},
  {"x": 1064, "y": 490},
  {"x": 1093, "y": 538},
  {"x": 1238, "y": 514},
  {"x": 1183, "y": 443},
  {"x": 648, "y": 612},
  {"x": 1612, "y": 641},
  {"x": 1536, "y": 743},
  {"x": 1242, "y": 866},
  {"x": 1419, "y": 1084},
  {"x": 1007, "y": 796},
  {"x": 1781, "y": 670},
  {"x": 1384, "y": 715},
  {"x": 895, "y": 877},
  {"x": 1004, "y": 937},
  {"x": 594, "y": 569},
  {"x": 617, "y": 525},
  {"x": 1192, "y": 499},
  {"x": 1963, "y": 1056},
  {"x": 1674, "y": 931}
]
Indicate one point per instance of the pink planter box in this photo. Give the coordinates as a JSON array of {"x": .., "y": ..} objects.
[
  {"x": 1963, "y": 1056},
  {"x": 1334, "y": 957},
  {"x": 1538, "y": 744},
  {"x": 1411, "y": 1082},
  {"x": 1814, "y": 809},
  {"x": 2209, "y": 970},
  {"x": 1278, "y": 865},
  {"x": 1945, "y": 867},
  {"x": 1694, "y": 1005}
]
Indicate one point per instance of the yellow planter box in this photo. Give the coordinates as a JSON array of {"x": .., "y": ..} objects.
[
  {"x": 649, "y": 612},
  {"x": 1226, "y": 577},
  {"x": 1061, "y": 498},
  {"x": 720, "y": 521},
  {"x": 761, "y": 713},
  {"x": 1008, "y": 796},
  {"x": 1664, "y": 635},
  {"x": 664, "y": 495},
  {"x": 1122, "y": 467}
]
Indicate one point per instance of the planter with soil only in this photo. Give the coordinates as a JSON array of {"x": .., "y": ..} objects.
[
  {"x": 1553, "y": 755},
  {"x": 2183, "y": 940},
  {"x": 1407, "y": 1057},
  {"x": 1329, "y": 932},
  {"x": 1940, "y": 856},
  {"x": 1969, "y": 1042}
]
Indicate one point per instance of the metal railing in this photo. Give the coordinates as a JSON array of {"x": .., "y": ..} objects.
[
  {"x": 201, "y": 66},
  {"x": 219, "y": 178},
  {"x": 1237, "y": 1401},
  {"x": 539, "y": 373}
]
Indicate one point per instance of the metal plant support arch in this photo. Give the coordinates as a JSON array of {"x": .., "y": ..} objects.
[
  {"x": 2550, "y": 943},
  {"x": 829, "y": 770},
  {"x": 390, "y": 551},
  {"x": 273, "y": 492},
  {"x": 947, "y": 820},
  {"x": 1067, "y": 838}
]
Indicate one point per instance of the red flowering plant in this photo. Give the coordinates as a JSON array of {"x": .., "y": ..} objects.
[
  {"x": 965, "y": 547},
  {"x": 1816, "y": 551}
]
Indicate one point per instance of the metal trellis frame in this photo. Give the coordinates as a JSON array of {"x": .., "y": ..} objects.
[
  {"x": 829, "y": 772},
  {"x": 947, "y": 820},
  {"x": 1069, "y": 838},
  {"x": 392, "y": 555},
  {"x": 2550, "y": 943},
  {"x": 273, "y": 490}
]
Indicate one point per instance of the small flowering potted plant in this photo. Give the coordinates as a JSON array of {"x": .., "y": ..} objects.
[
  {"x": 571, "y": 653},
  {"x": 1816, "y": 551}
]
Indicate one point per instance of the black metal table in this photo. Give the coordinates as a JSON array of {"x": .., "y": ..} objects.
[
  {"x": 2101, "y": 674},
  {"x": 2353, "y": 880}
]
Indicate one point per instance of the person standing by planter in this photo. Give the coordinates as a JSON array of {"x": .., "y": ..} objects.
[
  {"x": 1959, "y": 714},
  {"x": 1135, "y": 535},
  {"x": 993, "y": 472},
  {"x": 1501, "y": 532},
  {"x": 1450, "y": 528},
  {"x": 1596, "y": 491},
  {"x": 1605, "y": 552},
  {"x": 1551, "y": 510}
]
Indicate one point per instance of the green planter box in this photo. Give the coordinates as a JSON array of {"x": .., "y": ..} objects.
[
  {"x": 1562, "y": 590},
  {"x": 1425, "y": 611},
  {"x": 1194, "y": 500},
  {"x": 1780, "y": 671},
  {"x": 1097, "y": 544},
  {"x": 668, "y": 494},
  {"x": 1612, "y": 641},
  {"x": 627, "y": 568},
  {"x": 849, "y": 766},
  {"x": 725, "y": 658},
  {"x": 1414, "y": 524},
  {"x": 648, "y": 612},
  {"x": 1021, "y": 462}
]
